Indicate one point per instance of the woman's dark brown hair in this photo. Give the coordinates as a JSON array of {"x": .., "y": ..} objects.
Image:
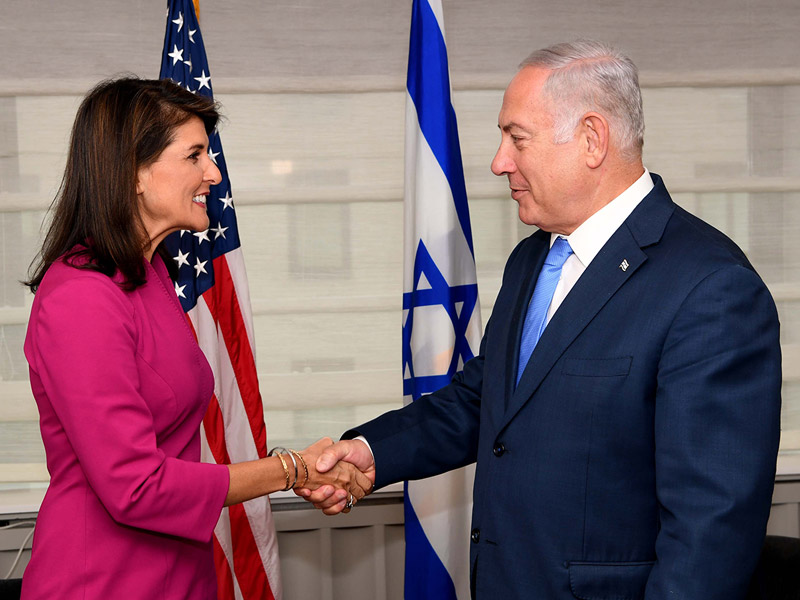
[{"x": 122, "y": 126}]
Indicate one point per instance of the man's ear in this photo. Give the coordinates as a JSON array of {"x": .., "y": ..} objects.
[{"x": 595, "y": 138}]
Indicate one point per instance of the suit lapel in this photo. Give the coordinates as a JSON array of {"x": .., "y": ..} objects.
[
  {"x": 527, "y": 272},
  {"x": 617, "y": 262}
]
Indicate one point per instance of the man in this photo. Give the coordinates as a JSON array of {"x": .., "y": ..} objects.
[{"x": 628, "y": 452}]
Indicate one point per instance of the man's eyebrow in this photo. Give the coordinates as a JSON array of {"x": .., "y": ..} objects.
[{"x": 511, "y": 125}]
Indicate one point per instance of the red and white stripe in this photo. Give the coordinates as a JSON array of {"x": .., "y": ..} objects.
[{"x": 245, "y": 544}]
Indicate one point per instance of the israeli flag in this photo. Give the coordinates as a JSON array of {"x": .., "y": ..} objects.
[{"x": 441, "y": 315}]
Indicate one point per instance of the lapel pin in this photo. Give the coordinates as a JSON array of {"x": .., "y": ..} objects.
[{"x": 624, "y": 264}]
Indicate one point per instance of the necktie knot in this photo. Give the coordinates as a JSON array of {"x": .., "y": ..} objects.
[{"x": 559, "y": 253}]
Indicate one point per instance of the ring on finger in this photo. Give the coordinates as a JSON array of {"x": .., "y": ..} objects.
[{"x": 350, "y": 503}]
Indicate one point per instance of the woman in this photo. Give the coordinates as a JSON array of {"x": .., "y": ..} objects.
[{"x": 119, "y": 380}]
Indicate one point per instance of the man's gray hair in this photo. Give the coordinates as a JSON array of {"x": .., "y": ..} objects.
[{"x": 587, "y": 75}]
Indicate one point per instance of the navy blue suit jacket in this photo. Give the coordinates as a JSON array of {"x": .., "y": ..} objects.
[{"x": 636, "y": 458}]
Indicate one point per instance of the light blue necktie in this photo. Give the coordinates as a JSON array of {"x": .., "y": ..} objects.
[{"x": 536, "y": 317}]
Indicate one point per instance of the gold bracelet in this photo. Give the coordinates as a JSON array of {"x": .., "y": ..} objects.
[
  {"x": 283, "y": 462},
  {"x": 285, "y": 471},
  {"x": 305, "y": 466}
]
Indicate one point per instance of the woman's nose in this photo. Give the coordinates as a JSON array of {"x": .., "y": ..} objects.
[{"x": 212, "y": 173}]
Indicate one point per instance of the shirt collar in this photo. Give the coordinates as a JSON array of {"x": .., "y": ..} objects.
[{"x": 589, "y": 238}]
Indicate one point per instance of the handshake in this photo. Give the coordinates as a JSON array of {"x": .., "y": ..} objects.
[{"x": 340, "y": 474}]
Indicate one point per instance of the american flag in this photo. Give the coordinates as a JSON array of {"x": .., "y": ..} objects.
[{"x": 212, "y": 288}]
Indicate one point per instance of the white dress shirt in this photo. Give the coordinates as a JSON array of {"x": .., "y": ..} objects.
[{"x": 587, "y": 240}]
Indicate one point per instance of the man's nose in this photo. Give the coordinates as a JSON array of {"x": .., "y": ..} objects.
[{"x": 501, "y": 163}]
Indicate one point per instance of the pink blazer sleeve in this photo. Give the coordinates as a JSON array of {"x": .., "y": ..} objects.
[{"x": 84, "y": 355}]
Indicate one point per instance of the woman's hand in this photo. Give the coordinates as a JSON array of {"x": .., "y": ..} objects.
[{"x": 344, "y": 478}]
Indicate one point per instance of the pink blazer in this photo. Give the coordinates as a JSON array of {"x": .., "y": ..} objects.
[{"x": 121, "y": 387}]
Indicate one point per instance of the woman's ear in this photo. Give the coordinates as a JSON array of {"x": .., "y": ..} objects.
[{"x": 140, "y": 174}]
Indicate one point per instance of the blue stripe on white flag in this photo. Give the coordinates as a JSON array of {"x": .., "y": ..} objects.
[
  {"x": 426, "y": 576},
  {"x": 428, "y": 85},
  {"x": 440, "y": 289}
]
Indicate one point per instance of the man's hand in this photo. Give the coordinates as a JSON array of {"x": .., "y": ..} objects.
[{"x": 331, "y": 500}]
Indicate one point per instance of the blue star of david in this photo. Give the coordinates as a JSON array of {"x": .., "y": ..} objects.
[{"x": 439, "y": 294}]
